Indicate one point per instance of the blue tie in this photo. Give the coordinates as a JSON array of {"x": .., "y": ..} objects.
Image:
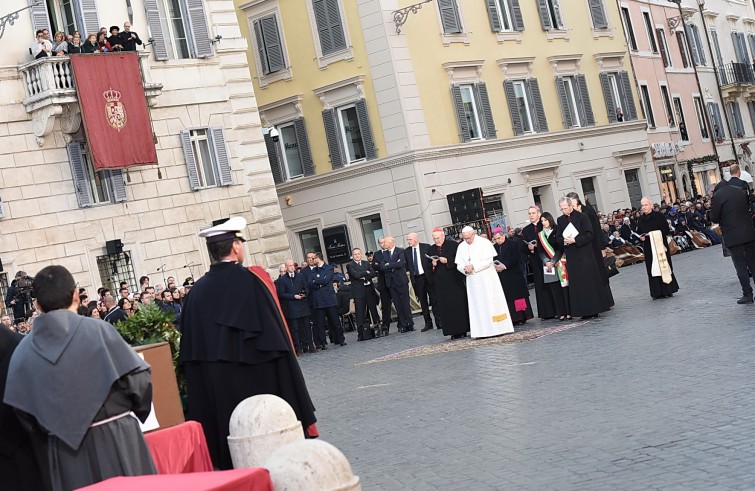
[{"x": 416, "y": 264}]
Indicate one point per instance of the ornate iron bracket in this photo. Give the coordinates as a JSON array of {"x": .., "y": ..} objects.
[
  {"x": 9, "y": 19},
  {"x": 401, "y": 15},
  {"x": 674, "y": 22}
]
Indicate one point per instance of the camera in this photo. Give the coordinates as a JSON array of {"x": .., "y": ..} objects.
[{"x": 274, "y": 135}]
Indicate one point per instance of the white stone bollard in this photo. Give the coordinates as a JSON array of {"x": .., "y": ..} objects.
[
  {"x": 313, "y": 465},
  {"x": 259, "y": 426}
]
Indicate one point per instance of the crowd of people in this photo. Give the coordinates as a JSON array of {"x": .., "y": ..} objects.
[{"x": 103, "y": 41}]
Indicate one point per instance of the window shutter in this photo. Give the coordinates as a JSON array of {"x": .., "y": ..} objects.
[
  {"x": 303, "y": 143},
  {"x": 39, "y": 17},
  {"x": 516, "y": 120},
  {"x": 449, "y": 16},
  {"x": 159, "y": 47},
  {"x": 79, "y": 173},
  {"x": 662, "y": 47},
  {"x": 751, "y": 107},
  {"x": 495, "y": 19},
  {"x": 200, "y": 30},
  {"x": 273, "y": 48},
  {"x": 736, "y": 116},
  {"x": 698, "y": 44},
  {"x": 608, "y": 96},
  {"x": 692, "y": 42},
  {"x": 751, "y": 42},
  {"x": 222, "y": 157},
  {"x": 87, "y": 16},
  {"x": 537, "y": 102},
  {"x": 483, "y": 101},
  {"x": 584, "y": 96},
  {"x": 545, "y": 18},
  {"x": 558, "y": 21},
  {"x": 191, "y": 161},
  {"x": 566, "y": 115},
  {"x": 117, "y": 185},
  {"x": 715, "y": 116},
  {"x": 333, "y": 138},
  {"x": 742, "y": 48},
  {"x": 323, "y": 26},
  {"x": 460, "y": 116},
  {"x": 516, "y": 15},
  {"x": 682, "y": 50},
  {"x": 630, "y": 110},
  {"x": 334, "y": 22},
  {"x": 261, "y": 53},
  {"x": 275, "y": 164},
  {"x": 598, "y": 13},
  {"x": 365, "y": 129}
]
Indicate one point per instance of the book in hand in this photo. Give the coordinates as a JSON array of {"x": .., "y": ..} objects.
[
  {"x": 434, "y": 258},
  {"x": 549, "y": 271},
  {"x": 570, "y": 231}
]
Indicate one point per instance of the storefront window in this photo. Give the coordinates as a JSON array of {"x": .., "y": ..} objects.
[
  {"x": 372, "y": 230},
  {"x": 310, "y": 241}
]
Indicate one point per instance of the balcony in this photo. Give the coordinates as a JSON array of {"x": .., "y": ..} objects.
[
  {"x": 736, "y": 79},
  {"x": 50, "y": 92}
]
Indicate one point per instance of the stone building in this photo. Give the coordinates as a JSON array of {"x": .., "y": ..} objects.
[{"x": 57, "y": 209}]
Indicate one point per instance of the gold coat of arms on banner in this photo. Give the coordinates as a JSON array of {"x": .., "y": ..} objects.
[{"x": 114, "y": 109}]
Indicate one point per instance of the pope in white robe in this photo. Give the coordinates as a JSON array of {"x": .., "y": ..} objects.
[{"x": 488, "y": 311}]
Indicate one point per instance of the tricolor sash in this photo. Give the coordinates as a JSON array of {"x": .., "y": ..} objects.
[{"x": 563, "y": 276}]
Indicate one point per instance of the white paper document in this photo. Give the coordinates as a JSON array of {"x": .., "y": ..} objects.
[
  {"x": 570, "y": 231},
  {"x": 151, "y": 422}
]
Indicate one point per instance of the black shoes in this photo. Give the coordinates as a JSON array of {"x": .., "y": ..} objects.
[
  {"x": 428, "y": 327},
  {"x": 343, "y": 343},
  {"x": 745, "y": 299}
]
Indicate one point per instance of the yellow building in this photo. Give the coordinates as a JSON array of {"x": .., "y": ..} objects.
[{"x": 378, "y": 111}]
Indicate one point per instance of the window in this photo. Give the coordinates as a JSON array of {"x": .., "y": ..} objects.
[
  {"x": 94, "y": 187},
  {"x": 683, "y": 49},
  {"x": 348, "y": 133},
  {"x": 68, "y": 17},
  {"x": 576, "y": 108},
  {"x": 695, "y": 44},
  {"x": 647, "y": 106},
  {"x": 667, "y": 106},
  {"x": 649, "y": 29},
  {"x": 550, "y": 15},
  {"x": 449, "y": 17},
  {"x": 589, "y": 193},
  {"x": 663, "y": 46},
  {"x": 598, "y": 14},
  {"x": 680, "y": 119},
  {"x": 617, "y": 92},
  {"x": 627, "y": 20},
  {"x": 701, "y": 120},
  {"x": 329, "y": 26},
  {"x": 719, "y": 133},
  {"x": 268, "y": 44},
  {"x": 505, "y": 15},
  {"x": 526, "y": 106},
  {"x": 179, "y": 28},
  {"x": 206, "y": 156},
  {"x": 751, "y": 42},
  {"x": 310, "y": 241},
  {"x": 290, "y": 156},
  {"x": 115, "y": 268},
  {"x": 372, "y": 230},
  {"x": 473, "y": 111},
  {"x": 735, "y": 116},
  {"x": 740, "y": 47},
  {"x": 751, "y": 108}
]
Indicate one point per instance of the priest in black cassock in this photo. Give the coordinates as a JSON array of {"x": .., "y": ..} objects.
[
  {"x": 575, "y": 239},
  {"x": 649, "y": 221},
  {"x": 235, "y": 343},
  {"x": 509, "y": 268},
  {"x": 546, "y": 309},
  {"x": 450, "y": 287}
]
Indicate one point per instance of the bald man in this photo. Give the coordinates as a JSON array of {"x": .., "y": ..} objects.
[{"x": 419, "y": 266}]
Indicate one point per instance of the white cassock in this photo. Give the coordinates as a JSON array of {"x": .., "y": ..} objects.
[{"x": 488, "y": 311}]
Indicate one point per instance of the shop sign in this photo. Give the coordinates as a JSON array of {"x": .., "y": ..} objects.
[
  {"x": 667, "y": 174},
  {"x": 336, "y": 244},
  {"x": 664, "y": 149}
]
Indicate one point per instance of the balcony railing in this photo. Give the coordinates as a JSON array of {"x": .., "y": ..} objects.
[{"x": 736, "y": 74}]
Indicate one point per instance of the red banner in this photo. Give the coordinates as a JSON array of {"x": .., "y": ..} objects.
[{"x": 114, "y": 109}]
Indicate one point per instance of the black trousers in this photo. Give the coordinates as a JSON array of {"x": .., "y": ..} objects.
[
  {"x": 743, "y": 257},
  {"x": 334, "y": 322},
  {"x": 425, "y": 292},
  {"x": 385, "y": 305},
  {"x": 301, "y": 332},
  {"x": 400, "y": 296},
  {"x": 365, "y": 304}
]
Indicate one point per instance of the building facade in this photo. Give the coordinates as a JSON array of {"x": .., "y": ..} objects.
[
  {"x": 58, "y": 209},
  {"x": 377, "y": 114}
]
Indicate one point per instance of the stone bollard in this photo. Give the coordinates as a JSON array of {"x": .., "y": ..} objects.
[
  {"x": 259, "y": 426},
  {"x": 314, "y": 465}
]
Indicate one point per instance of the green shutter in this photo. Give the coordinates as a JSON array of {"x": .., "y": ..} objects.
[
  {"x": 566, "y": 115},
  {"x": 460, "y": 116},
  {"x": 516, "y": 15},
  {"x": 365, "y": 129},
  {"x": 190, "y": 159},
  {"x": 333, "y": 138},
  {"x": 303, "y": 144},
  {"x": 259, "y": 41},
  {"x": 537, "y": 101},
  {"x": 495, "y": 19},
  {"x": 630, "y": 109},
  {"x": 272, "y": 156},
  {"x": 584, "y": 99},
  {"x": 273, "y": 47},
  {"x": 334, "y": 22},
  {"x": 449, "y": 16},
  {"x": 598, "y": 13},
  {"x": 483, "y": 102},
  {"x": 80, "y": 174},
  {"x": 545, "y": 18},
  {"x": 608, "y": 96},
  {"x": 516, "y": 120}
]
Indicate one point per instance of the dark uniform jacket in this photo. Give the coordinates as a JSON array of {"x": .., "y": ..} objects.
[
  {"x": 395, "y": 269},
  {"x": 360, "y": 274},
  {"x": 427, "y": 264},
  {"x": 287, "y": 288},
  {"x": 730, "y": 208},
  {"x": 321, "y": 287}
]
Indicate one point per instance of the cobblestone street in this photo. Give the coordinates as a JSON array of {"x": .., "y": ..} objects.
[{"x": 652, "y": 395}]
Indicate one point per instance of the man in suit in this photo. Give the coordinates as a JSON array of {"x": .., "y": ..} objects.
[
  {"x": 730, "y": 209},
  {"x": 114, "y": 314},
  {"x": 363, "y": 293},
  {"x": 325, "y": 302},
  {"x": 394, "y": 267},
  {"x": 306, "y": 272},
  {"x": 383, "y": 290},
  {"x": 292, "y": 293},
  {"x": 419, "y": 267},
  {"x": 735, "y": 180}
]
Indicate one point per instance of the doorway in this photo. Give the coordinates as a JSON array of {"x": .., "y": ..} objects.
[
  {"x": 633, "y": 187},
  {"x": 543, "y": 197}
]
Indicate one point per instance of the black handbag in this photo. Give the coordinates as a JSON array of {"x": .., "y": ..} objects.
[{"x": 610, "y": 262}]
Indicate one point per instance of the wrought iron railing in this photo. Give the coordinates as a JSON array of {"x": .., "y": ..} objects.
[{"x": 736, "y": 74}]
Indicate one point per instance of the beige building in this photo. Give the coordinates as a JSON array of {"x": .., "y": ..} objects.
[{"x": 56, "y": 209}]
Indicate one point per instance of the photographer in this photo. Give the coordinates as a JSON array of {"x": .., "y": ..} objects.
[
  {"x": 19, "y": 295},
  {"x": 41, "y": 47}
]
